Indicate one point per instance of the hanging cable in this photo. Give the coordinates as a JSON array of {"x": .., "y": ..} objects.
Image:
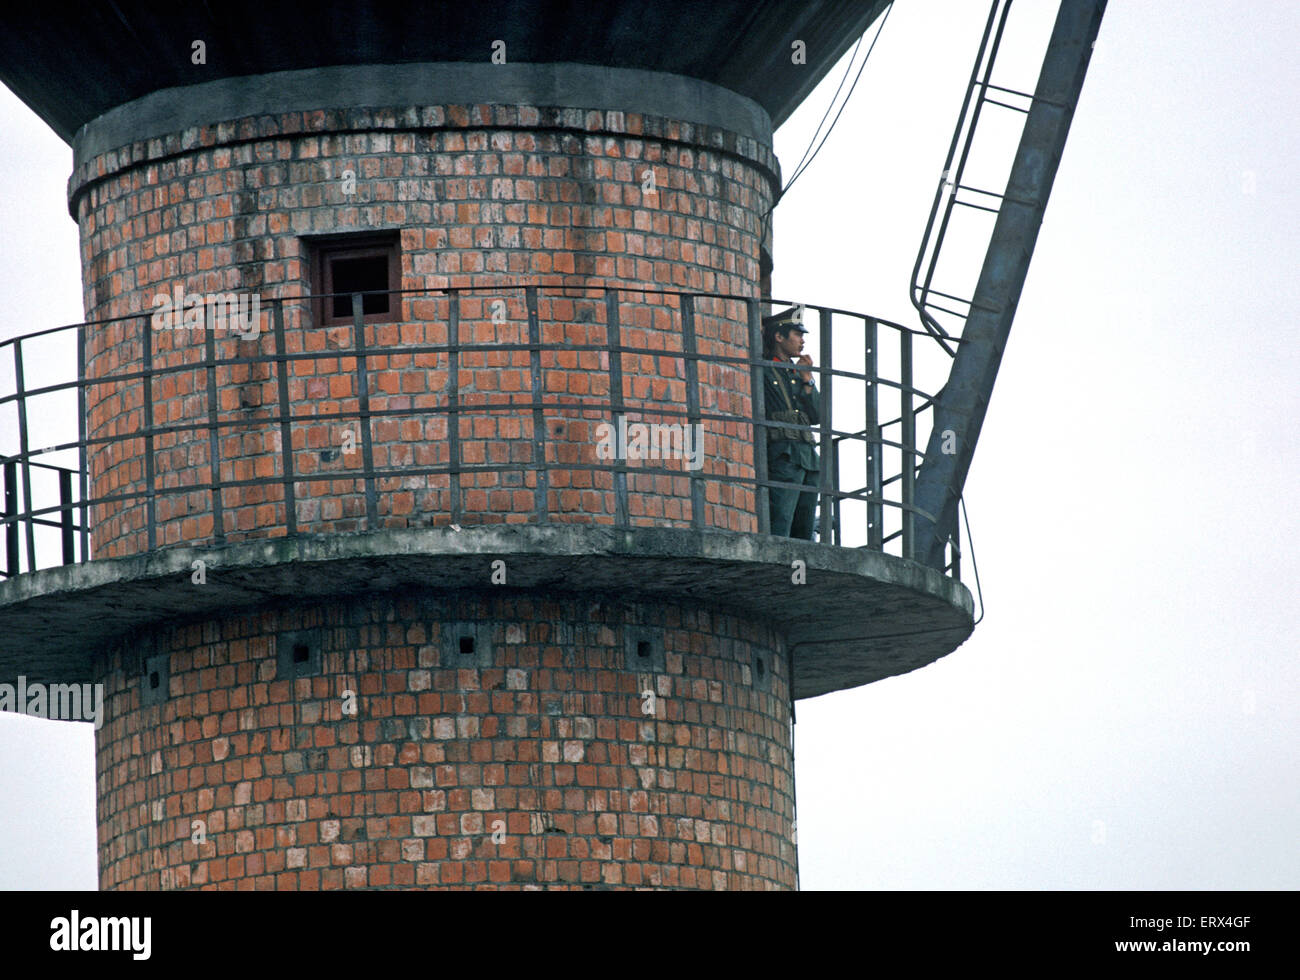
[
  {"x": 806, "y": 161},
  {"x": 830, "y": 105},
  {"x": 799, "y": 172},
  {"x": 970, "y": 544}
]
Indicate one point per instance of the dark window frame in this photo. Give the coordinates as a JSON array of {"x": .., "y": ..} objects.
[{"x": 325, "y": 250}]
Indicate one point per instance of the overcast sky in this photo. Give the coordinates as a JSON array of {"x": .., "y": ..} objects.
[{"x": 1126, "y": 715}]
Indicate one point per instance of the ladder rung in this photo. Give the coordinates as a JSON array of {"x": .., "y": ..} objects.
[
  {"x": 936, "y": 306},
  {"x": 969, "y": 302},
  {"x": 1006, "y": 105},
  {"x": 978, "y": 207},
  {"x": 1013, "y": 200},
  {"x": 1023, "y": 95},
  {"x": 938, "y": 292},
  {"x": 978, "y": 190}
]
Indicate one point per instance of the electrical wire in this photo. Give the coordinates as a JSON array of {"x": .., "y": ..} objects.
[
  {"x": 800, "y": 171},
  {"x": 806, "y": 161},
  {"x": 970, "y": 545},
  {"x": 830, "y": 105}
]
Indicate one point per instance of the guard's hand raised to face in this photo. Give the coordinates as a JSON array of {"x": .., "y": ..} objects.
[{"x": 805, "y": 359}]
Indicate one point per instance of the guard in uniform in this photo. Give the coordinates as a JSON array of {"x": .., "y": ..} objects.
[{"x": 790, "y": 396}]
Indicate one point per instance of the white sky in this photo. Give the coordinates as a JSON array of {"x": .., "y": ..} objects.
[{"x": 1126, "y": 715}]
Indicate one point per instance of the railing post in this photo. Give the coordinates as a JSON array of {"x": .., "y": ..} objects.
[
  {"x": 24, "y": 452},
  {"x": 65, "y": 515},
  {"x": 539, "y": 419},
  {"x": 908, "y": 439},
  {"x": 150, "y": 501},
  {"x": 453, "y": 402},
  {"x": 836, "y": 501},
  {"x": 827, "y": 453},
  {"x": 286, "y": 429},
  {"x": 11, "y": 515},
  {"x": 871, "y": 428},
  {"x": 81, "y": 440},
  {"x": 214, "y": 437},
  {"x": 363, "y": 412},
  {"x": 614, "y": 342},
  {"x": 760, "y": 416},
  {"x": 692, "y": 403}
]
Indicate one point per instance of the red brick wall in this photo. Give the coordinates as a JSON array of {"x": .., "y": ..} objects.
[
  {"x": 483, "y": 195},
  {"x": 547, "y": 735}
]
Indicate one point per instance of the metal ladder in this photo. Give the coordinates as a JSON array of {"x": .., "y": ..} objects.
[
  {"x": 947, "y": 195},
  {"x": 981, "y": 323}
]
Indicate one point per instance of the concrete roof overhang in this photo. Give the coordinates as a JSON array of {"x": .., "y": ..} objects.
[
  {"x": 71, "y": 61},
  {"x": 860, "y": 617}
]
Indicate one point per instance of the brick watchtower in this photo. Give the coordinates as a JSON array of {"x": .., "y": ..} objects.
[{"x": 370, "y": 608}]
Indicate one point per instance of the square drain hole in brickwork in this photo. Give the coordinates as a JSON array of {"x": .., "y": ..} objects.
[
  {"x": 297, "y": 654},
  {"x": 643, "y": 650},
  {"x": 467, "y": 645},
  {"x": 156, "y": 680}
]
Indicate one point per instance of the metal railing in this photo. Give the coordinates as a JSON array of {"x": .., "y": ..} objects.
[{"x": 868, "y": 465}]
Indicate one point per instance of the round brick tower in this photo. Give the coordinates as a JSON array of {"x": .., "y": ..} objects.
[
  {"x": 369, "y": 606},
  {"x": 556, "y": 748}
]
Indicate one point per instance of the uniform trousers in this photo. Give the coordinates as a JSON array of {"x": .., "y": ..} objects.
[{"x": 792, "y": 512}]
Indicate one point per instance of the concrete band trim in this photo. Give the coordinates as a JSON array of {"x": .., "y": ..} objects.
[
  {"x": 342, "y": 87},
  {"x": 62, "y": 613}
]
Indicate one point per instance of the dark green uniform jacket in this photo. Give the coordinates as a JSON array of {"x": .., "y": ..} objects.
[{"x": 802, "y": 397}]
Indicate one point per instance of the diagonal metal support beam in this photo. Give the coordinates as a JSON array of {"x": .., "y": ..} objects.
[{"x": 961, "y": 405}]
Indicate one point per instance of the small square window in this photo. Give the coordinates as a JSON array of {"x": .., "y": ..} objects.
[{"x": 367, "y": 263}]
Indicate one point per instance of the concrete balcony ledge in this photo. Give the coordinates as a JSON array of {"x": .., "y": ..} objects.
[{"x": 859, "y": 617}]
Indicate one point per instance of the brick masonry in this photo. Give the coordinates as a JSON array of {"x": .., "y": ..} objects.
[
  {"x": 481, "y": 196},
  {"x": 232, "y": 757},
  {"x": 530, "y": 762}
]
